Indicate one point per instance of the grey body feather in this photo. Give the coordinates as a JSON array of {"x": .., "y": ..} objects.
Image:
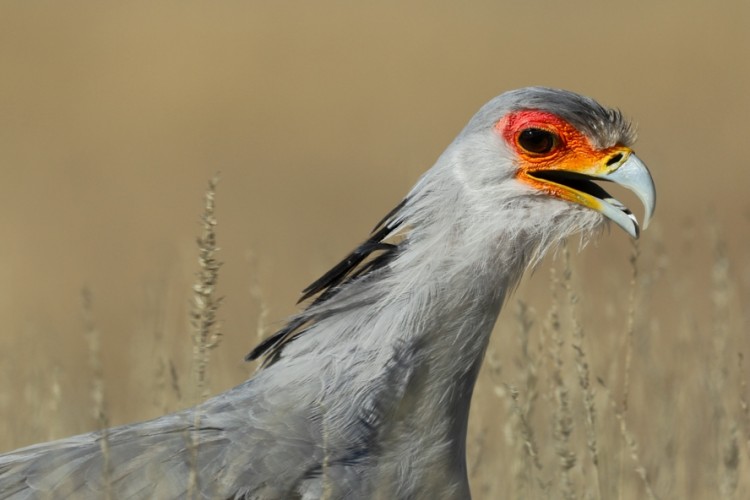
[{"x": 368, "y": 396}]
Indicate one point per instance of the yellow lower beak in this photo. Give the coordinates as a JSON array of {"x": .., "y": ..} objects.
[{"x": 629, "y": 172}]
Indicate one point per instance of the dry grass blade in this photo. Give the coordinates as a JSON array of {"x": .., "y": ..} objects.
[{"x": 97, "y": 391}]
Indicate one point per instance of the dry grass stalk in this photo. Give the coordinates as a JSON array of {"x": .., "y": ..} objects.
[
  {"x": 563, "y": 419},
  {"x": 731, "y": 463},
  {"x": 97, "y": 391},
  {"x": 155, "y": 321},
  {"x": 720, "y": 297},
  {"x": 630, "y": 332},
  {"x": 256, "y": 293},
  {"x": 530, "y": 448},
  {"x": 478, "y": 448},
  {"x": 160, "y": 385},
  {"x": 744, "y": 407},
  {"x": 206, "y": 335},
  {"x": 726, "y": 432},
  {"x": 53, "y": 406},
  {"x": 174, "y": 380},
  {"x": 582, "y": 368},
  {"x": 631, "y": 443},
  {"x": 527, "y": 365},
  {"x": 530, "y": 465},
  {"x": 628, "y": 348}
]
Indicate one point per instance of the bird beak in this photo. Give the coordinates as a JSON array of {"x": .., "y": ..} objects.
[
  {"x": 632, "y": 174},
  {"x": 622, "y": 168}
]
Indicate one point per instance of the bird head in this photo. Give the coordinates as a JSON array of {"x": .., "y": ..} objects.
[{"x": 541, "y": 152}]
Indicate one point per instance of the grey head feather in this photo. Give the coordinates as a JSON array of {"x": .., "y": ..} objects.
[{"x": 605, "y": 127}]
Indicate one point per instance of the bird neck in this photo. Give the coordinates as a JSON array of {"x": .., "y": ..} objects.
[
  {"x": 397, "y": 351},
  {"x": 445, "y": 292}
]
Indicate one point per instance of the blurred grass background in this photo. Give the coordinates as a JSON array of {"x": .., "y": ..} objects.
[{"x": 320, "y": 116}]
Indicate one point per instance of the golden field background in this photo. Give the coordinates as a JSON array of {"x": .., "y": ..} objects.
[{"x": 320, "y": 116}]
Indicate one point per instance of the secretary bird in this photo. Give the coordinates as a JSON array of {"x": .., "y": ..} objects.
[{"x": 366, "y": 392}]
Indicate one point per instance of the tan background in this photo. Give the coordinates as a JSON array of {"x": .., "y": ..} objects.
[{"x": 320, "y": 116}]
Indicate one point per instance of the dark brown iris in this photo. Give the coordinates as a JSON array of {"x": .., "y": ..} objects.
[{"x": 537, "y": 141}]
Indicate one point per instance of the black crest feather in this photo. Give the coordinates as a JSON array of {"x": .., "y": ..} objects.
[{"x": 355, "y": 266}]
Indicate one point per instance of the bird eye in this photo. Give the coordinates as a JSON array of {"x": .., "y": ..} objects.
[{"x": 537, "y": 141}]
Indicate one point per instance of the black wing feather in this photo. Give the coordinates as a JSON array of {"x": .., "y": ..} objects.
[{"x": 330, "y": 283}]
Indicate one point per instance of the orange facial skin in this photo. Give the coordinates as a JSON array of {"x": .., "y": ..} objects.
[{"x": 572, "y": 152}]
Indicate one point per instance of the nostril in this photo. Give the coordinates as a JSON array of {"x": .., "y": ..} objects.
[{"x": 614, "y": 159}]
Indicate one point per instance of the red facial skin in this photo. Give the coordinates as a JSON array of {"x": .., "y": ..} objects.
[{"x": 572, "y": 152}]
